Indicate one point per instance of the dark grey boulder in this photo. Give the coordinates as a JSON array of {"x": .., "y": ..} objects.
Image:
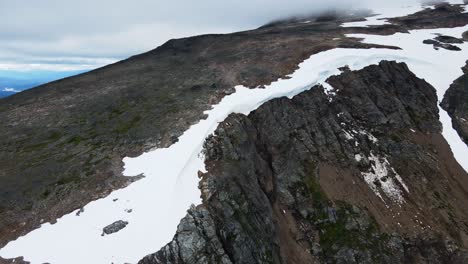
[
  {"x": 114, "y": 227},
  {"x": 449, "y": 39}
]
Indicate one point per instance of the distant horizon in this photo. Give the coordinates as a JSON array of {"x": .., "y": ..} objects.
[{"x": 12, "y": 82}]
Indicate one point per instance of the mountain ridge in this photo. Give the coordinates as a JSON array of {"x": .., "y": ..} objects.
[{"x": 69, "y": 137}]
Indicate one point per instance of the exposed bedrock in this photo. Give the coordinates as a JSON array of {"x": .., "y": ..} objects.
[
  {"x": 357, "y": 174},
  {"x": 456, "y": 104}
]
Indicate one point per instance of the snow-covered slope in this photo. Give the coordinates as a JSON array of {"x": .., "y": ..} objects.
[
  {"x": 397, "y": 8},
  {"x": 154, "y": 205}
]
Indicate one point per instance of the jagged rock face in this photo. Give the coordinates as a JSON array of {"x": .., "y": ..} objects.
[
  {"x": 354, "y": 174},
  {"x": 456, "y": 104}
]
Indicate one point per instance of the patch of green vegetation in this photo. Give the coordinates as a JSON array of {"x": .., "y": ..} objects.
[
  {"x": 75, "y": 140},
  {"x": 124, "y": 127},
  {"x": 315, "y": 190},
  {"x": 45, "y": 193},
  {"x": 28, "y": 206},
  {"x": 417, "y": 117},
  {"x": 67, "y": 158},
  {"x": 238, "y": 200},
  {"x": 55, "y": 136},
  {"x": 117, "y": 110},
  {"x": 313, "y": 186},
  {"x": 68, "y": 179},
  {"x": 396, "y": 137},
  {"x": 36, "y": 147},
  {"x": 334, "y": 233},
  {"x": 173, "y": 109}
]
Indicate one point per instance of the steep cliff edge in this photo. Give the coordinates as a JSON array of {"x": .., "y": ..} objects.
[
  {"x": 456, "y": 104},
  {"x": 353, "y": 173}
]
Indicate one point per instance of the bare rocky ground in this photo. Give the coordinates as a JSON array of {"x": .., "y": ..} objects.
[{"x": 63, "y": 142}]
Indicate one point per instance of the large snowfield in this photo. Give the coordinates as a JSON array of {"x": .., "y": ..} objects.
[{"x": 170, "y": 186}]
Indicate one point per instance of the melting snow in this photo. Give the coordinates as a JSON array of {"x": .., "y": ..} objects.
[
  {"x": 369, "y": 136},
  {"x": 347, "y": 135},
  {"x": 161, "y": 199},
  {"x": 329, "y": 91},
  {"x": 379, "y": 179},
  {"x": 358, "y": 157}
]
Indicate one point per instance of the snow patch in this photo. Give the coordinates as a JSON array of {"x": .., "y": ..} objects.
[
  {"x": 329, "y": 91},
  {"x": 369, "y": 136},
  {"x": 358, "y": 157},
  {"x": 379, "y": 179},
  {"x": 347, "y": 135}
]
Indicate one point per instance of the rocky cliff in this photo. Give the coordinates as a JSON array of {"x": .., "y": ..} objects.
[
  {"x": 456, "y": 104},
  {"x": 357, "y": 175}
]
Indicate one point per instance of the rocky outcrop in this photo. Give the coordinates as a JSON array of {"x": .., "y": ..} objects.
[
  {"x": 455, "y": 102},
  {"x": 196, "y": 241},
  {"x": 448, "y": 39},
  {"x": 438, "y": 44},
  {"x": 444, "y": 42},
  {"x": 114, "y": 227},
  {"x": 354, "y": 173}
]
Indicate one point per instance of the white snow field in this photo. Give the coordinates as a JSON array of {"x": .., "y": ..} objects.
[
  {"x": 395, "y": 8},
  {"x": 170, "y": 186}
]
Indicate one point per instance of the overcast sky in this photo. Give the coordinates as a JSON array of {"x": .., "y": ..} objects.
[{"x": 70, "y": 34}]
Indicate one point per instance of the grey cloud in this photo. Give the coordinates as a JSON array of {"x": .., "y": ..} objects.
[{"x": 114, "y": 29}]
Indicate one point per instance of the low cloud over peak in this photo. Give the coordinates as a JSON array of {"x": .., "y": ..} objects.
[{"x": 64, "y": 33}]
